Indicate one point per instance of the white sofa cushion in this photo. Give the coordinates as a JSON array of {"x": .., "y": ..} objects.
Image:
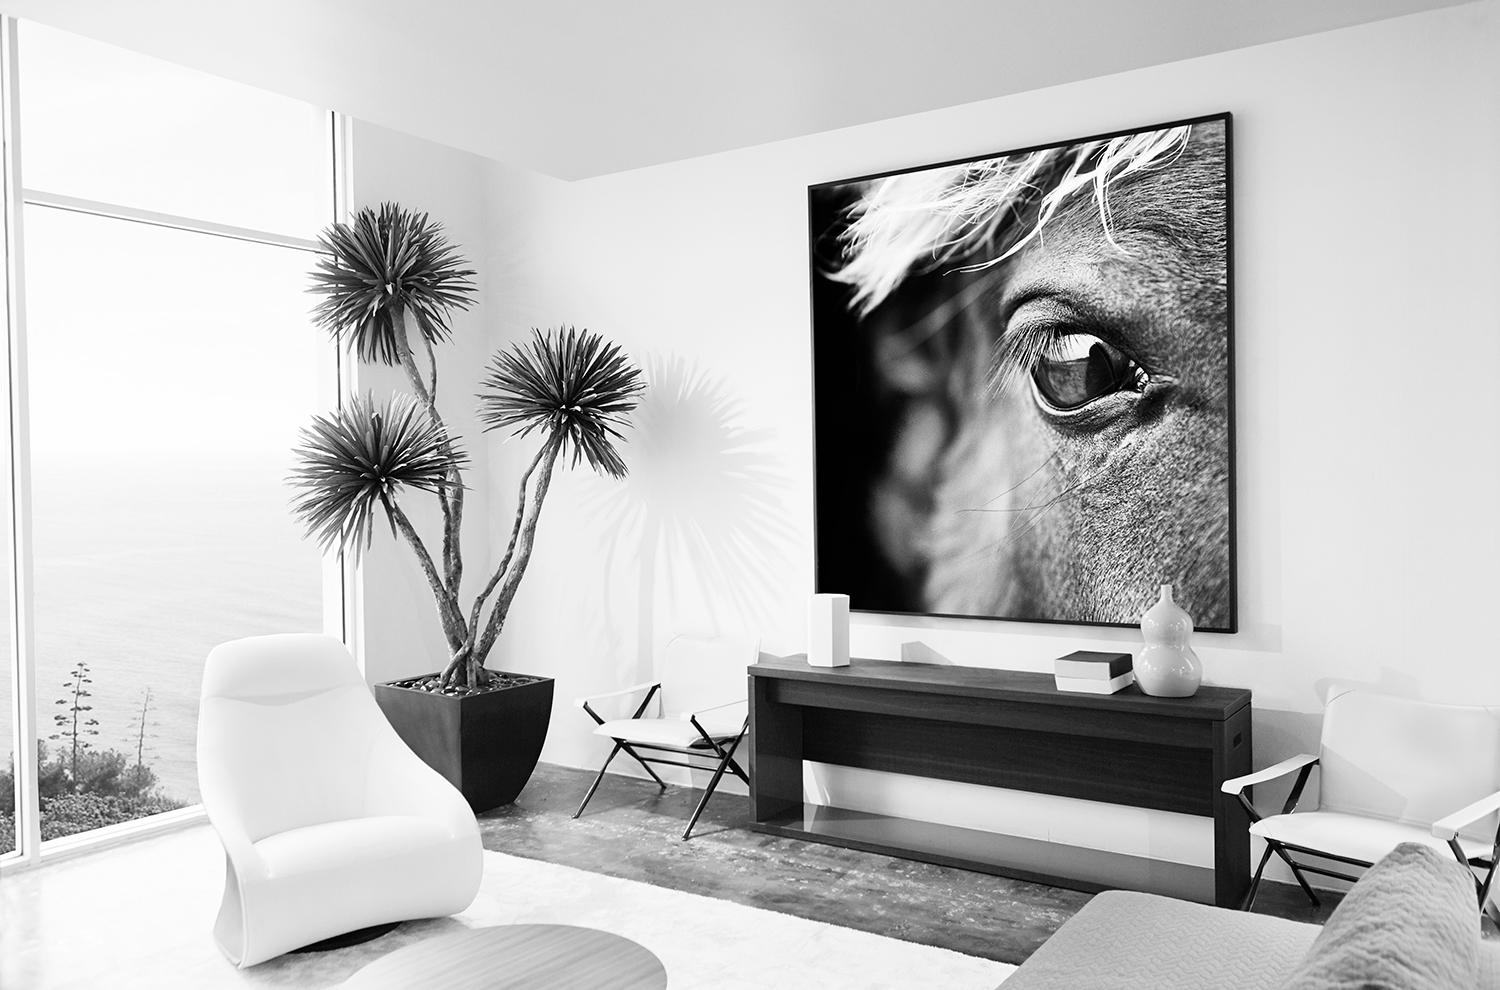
[
  {"x": 1411, "y": 922},
  {"x": 1123, "y": 940}
]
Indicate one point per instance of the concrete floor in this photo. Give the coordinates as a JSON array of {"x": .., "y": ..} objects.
[{"x": 632, "y": 830}]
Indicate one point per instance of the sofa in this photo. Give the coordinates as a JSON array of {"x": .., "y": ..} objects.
[{"x": 1410, "y": 923}]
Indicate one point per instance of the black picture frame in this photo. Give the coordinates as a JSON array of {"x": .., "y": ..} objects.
[{"x": 851, "y": 436}]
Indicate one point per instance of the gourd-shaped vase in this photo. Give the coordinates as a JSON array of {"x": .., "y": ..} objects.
[{"x": 1168, "y": 667}]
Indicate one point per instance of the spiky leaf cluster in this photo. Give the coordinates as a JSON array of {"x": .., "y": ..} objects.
[
  {"x": 357, "y": 459},
  {"x": 380, "y": 265},
  {"x": 571, "y": 384}
]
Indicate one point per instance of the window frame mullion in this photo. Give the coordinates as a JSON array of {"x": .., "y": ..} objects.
[
  {"x": 171, "y": 221},
  {"x": 349, "y": 567},
  {"x": 28, "y": 800}
]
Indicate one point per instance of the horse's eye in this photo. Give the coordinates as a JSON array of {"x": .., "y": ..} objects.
[{"x": 1077, "y": 368}]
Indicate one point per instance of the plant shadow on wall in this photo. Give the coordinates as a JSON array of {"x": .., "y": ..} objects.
[{"x": 700, "y": 521}]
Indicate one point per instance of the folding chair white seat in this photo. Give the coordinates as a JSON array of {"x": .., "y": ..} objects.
[
  {"x": 671, "y": 731},
  {"x": 1392, "y": 770},
  {"x": 1355, "y": 836},
  {"x": 702, "y": 712}
]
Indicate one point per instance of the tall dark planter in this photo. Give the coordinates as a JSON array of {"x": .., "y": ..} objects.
[{"x": 486, "y": 745}]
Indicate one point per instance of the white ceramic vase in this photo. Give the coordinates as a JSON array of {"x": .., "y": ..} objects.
[{"x": 1168, "y": 667}]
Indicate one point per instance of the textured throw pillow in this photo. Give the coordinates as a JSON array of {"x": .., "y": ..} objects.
[{"x": 1411, "y": 923}]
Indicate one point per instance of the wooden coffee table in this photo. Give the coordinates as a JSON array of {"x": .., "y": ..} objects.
[{"x": 512, "y": 957}]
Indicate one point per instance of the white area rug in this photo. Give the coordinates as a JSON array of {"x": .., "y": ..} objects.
[
  {"x": 140, "y": 916},
  {"x": 704, "y": 942}
]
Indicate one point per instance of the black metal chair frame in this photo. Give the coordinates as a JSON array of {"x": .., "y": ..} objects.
[
  {"x": 1285, "y": 849},
  {"x": 706, "y": 747}
]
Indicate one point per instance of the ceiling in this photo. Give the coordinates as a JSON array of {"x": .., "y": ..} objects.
[{"x": 578, "y": 88}]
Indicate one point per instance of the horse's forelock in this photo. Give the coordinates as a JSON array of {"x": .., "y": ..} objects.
[{"x": 975, "y": 215}]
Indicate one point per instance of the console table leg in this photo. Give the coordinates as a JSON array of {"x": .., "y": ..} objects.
[
  {"x": 1232, "y": 758},
  {"x": 775, "y": 754}
]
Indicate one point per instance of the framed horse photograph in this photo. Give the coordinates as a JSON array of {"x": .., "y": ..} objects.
[{"x": 1023, "y": 381}]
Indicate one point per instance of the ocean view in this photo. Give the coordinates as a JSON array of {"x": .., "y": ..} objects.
[{"x": 141, "y": 567}]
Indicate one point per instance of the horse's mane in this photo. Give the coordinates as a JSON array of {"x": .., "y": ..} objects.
[{"x": 921, "y": 222}]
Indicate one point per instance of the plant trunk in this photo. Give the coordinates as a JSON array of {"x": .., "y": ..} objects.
[
  {"x": 458, "y": 672},
  {"x": 449, "y": 615},
  {"x": 408, "y": 360},
  {"x": 471, "y": 662},
  {"x": 451, "y": 500},
  {"x": 510, "y": 548},
  {"x": 522, "y": 556}
]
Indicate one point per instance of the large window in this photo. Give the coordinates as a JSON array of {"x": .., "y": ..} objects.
[
  {"x": 165, "y": 230},
  {"x": 108, "y": 125}
]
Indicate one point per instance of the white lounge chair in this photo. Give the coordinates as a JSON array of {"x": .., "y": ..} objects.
[{"x": 330, "y": 824}]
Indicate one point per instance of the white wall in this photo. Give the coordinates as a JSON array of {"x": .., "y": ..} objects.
[{"x": 1365, "y": 209}]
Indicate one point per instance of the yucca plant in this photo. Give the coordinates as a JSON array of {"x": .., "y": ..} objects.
[{"x": 386, "y": 278}]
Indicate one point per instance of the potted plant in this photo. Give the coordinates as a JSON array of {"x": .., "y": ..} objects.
[{"x": 391, "y": 281}]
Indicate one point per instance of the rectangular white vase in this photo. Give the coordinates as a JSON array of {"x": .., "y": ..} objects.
[{"x": 828, "y": 631}]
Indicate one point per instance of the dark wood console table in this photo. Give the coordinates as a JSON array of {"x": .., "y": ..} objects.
[{"x": 1003, "y": 729}]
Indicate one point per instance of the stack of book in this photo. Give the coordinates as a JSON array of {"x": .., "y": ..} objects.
[{"x": 1093, "y": 673}]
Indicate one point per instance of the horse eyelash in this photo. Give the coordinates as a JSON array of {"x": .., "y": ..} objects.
[{"x": 1016, "y": 354}]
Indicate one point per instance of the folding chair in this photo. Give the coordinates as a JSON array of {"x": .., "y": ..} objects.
[
  {"x": 1393, "y": 770},
  {"x": 704, "y": 683}
]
